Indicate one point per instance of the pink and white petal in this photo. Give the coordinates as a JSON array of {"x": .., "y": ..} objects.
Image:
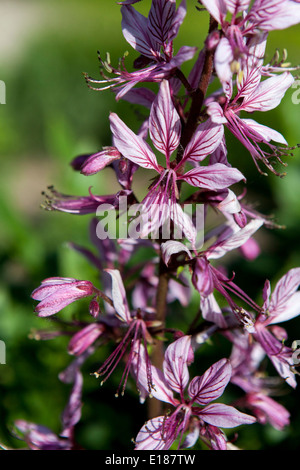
[
  {"x": 211, "y": 384},
  {"x": 223, "y": 59},
  {"x": 135, "y": 31},
  {"x": 213, "y": 177},
  {"x": 205, "y": 140},
  {"x": 230, "y": 204},
  {"x": 291, "y": 310},
  {"x": 150, "y": 435},
  {"x": 160, "y": 20},
  {"x": 164, "y": 122},
  {"x": 173, "y": 247},
  {"x": 235, "y": 240},
  {"x": 224, "y": 416},
  {"x": 216, "y": 113},
  {"x": 119, "y": 295},
  {"x": 265, "y": 132},
  {"x": 211, "y": 311},
  {"x": 140, "y": 95},
  {"x": 284, "y": 368},
  {"x": 285, "y": 288},
  {"x": 177, "y": 20},
  {"x": 191, "y": 438},
  {"x": 175, "y": 364},
  {"x": 235, "y": 6},
  {"x": 268, "y": 94},
  {"x": 130, "y": 145},
  {"x": 183, "y": 224},
  {"x": 99, "y": 160},
  {"x": 217, "y": 8},
  {"x": 269, "y": 15},
  {"x": 81, "y": 341}
]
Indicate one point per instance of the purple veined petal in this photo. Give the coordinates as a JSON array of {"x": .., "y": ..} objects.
[
  {"x": 140, "y": 95},
  {"x": 217, "y": 8},
  {"x": 150, "y": 435},
  {"x": 265, "y": 132},
  {"x": 284, "y": 290},
  {"x": 211, "y": 384},
  {"x": 283, "y": 363},
  {"x": 252, "y": 70},
  {"x": 160, "y": 20},
  {"x": 269, "y": 410},
  {"x": 213, "y": 177},
  {"x": 173, "y": 247},
  {"x": 72, "y": 412},
  {"x": 216, "y": 113},
  {"x": 237, "y": 239},
  {"x": 177, "y": 20},
  {"x": 39, "y": 437},
  {"x": 269, "y": 15},
  {"x": 175, "y": 364},
  {"x": 220, "y": 154},
  {"x": 268, "y": 94},
  {"x": 223, "y": 58},
  {"x": 205, "y": 140},
  {"x": 164, "y": 122},
  {"x": 230, "y": 204},
  {"x": 83, "y": 339},
  {"x": 132, "y": 146},
  {"x": 266, "y": 295},
  {"x": 159, "y": 387},
  {"x": 56, "y": 298},
  {"x": 185, "y": 53},
  {"x": 211, "y": 311},
  {"x": 100, "y": 160},
  {"x": 191, "y": 438},
  {"x": 50, "y": 285},
  {"x": 183, "y": 224},
  {"x": 203, "y": 278},
  {"x": 224, "y": 416},
  {"x": 135, "y": 31},
  {"x": 291, "y": 310},
  {"x": 235, "y": 6},
  {"x": 119, "y": 296}
]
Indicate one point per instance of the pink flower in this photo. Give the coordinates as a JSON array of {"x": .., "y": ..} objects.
[
  {"x": 249, "y": 22},
  {"x": 165, "y": 131},
  {"x": 153, "y": 38},
  {"x": 282, "y": 305},
  {"x": 253, "y": 94},
  {"x": 160, "y": 432},
  {"x": 55, "y": 293}
]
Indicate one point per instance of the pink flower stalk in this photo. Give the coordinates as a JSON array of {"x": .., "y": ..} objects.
[{"x": 160, "y": 433}]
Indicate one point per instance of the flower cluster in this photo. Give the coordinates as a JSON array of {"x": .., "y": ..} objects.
[{"x": 182, "y": 145}]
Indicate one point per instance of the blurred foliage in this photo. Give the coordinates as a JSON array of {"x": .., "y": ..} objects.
[{"x": 51, "y": 116}]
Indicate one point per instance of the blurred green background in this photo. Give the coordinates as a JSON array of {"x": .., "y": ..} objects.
[{"x": 50, "y": 116}]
